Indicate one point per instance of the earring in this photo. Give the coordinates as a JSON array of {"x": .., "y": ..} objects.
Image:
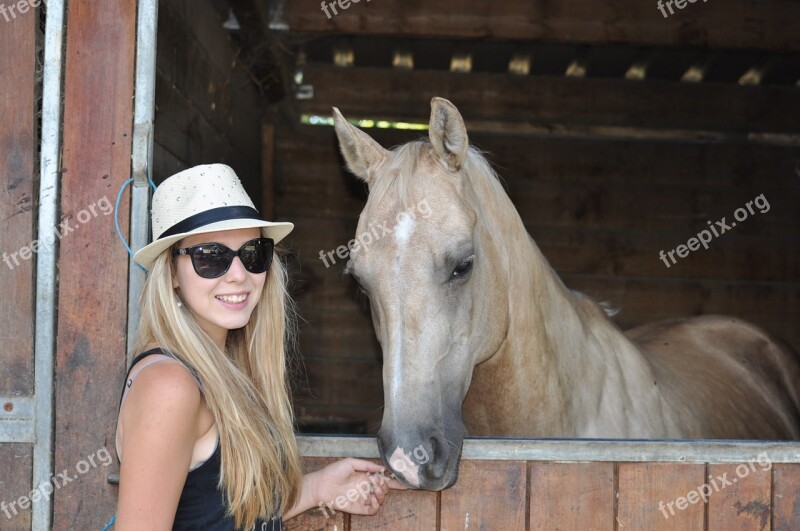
[{"x": 180, "y": 304}]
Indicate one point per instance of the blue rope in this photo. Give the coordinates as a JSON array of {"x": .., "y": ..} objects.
[
  {"x": 110, "y": 523},
  {"x": 116, "y": 216}
]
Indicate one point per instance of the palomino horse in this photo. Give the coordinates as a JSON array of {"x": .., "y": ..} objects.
[{"x": 480, "y": 336}]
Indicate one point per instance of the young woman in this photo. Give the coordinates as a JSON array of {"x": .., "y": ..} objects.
[{"x": 205, "y": 432}]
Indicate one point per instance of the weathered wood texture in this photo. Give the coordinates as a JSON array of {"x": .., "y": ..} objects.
[
  {"x": 18, "y": 141},
  {"x": 590, "y": 496},
  {"x": 567, "y": 496},
  {"x": 15, "y": 487},
  {"x": 646, "y": 491},
  {"x": 92, "y": 265},
  {"x": 546, "y": 100},
  {"x": 745, "y": 502},
  {"x": 415, "y": 510},
  {"x": 601, "y": 210},
  {"x": 786, "y": 497},
  {"x": 767, "y": 25},
  {"x": 487, "y": 495},
  {"x": 207, "y": 108}
]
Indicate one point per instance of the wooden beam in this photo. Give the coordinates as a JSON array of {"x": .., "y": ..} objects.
[
  {"x": 92, "y": 264},
  {"x": 385, "y": 93},
  {"x": 736, "y": 24},
  {"x": 17, "y": 151}
]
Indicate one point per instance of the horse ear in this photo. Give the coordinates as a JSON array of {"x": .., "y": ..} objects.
[
  {"x": 448, "y": 134},
  {"x": 359, "y": 150}
]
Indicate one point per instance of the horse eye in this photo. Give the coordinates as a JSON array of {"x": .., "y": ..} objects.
[{"x": 463, "y": 268}]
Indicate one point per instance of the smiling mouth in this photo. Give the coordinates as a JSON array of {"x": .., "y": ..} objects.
[{"x": 232, "y": 299}]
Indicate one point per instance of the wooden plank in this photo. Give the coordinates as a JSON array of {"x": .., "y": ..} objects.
[
  {"x": 740, "y": 496},
  {"x": 197, "y": 58},
  {"x": 552, "y": 160},
  {"x": 165, "y": 163},
  {"x": 92, "y": 263},
  {"x": 311, "y": 150},
  {"x": 341, "y": 382},
  {"x": 314, "y": 417},
  {"x": 15, "y": 486},
  {"x": 346, "y": 334},
  {"x": 736, "y": 24},
  {"x": 315, "y": 519},
  {"x": 18, "y": 148},
  {"x": 633, "y": 254},
  {"x": 786, "y": 497},
  {"x": 18, "y": 143},
  {"x": 730, "y": 166},
  {"x": 559, "y": 100},
  {"x": 654, "y": 299},
  {"x": 464, "y": 505},
  {"x": 204, "y": 26},
  {"x": 652, "y": 496},
  {"x": 566, "y": 496},
  {"x": 190, "y": 138}
]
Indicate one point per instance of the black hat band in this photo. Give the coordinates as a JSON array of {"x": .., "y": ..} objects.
[{"x": 208, "y": 217}]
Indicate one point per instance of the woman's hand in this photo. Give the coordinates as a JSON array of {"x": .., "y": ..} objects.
[
  {"x": 353, "y": 486},
  {"x": 350, "y": 485}
]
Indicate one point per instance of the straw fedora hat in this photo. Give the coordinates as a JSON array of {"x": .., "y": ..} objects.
[{"x": 206, "y": 198}]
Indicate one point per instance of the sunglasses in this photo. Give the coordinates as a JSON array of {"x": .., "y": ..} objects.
[{"x": 212, "y": 260}]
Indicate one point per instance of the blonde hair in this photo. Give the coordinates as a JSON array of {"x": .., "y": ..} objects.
[{"x": 245, "y": 387}]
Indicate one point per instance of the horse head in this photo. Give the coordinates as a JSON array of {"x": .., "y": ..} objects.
[{"x": 427, "y": 258}]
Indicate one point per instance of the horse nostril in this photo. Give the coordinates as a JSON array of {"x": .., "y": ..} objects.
[{"x": 439, "y": 454}]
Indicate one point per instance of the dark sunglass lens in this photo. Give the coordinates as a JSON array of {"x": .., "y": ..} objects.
[
  {"x": 256, "y": 255},
  {"x": 211, "y": 261}
]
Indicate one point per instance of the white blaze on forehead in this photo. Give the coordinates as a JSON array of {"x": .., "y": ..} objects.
[
  {"x": 404, "y": 466},
  {"x": 403, "y": 230}
]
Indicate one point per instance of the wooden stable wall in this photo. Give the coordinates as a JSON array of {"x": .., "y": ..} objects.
[
  {"x": 604, "y": 173},
  {"x": 18, "y": 163},
  {"x": 607, "y": 149},
  {"x": 736, "y": 24},
  {"x": 92, "y": 263},
  {"x": 207, "y": 107},
  {"x": 597, "y": 496}
]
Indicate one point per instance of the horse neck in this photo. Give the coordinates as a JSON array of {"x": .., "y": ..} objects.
[{"x": 552, "y": 343}]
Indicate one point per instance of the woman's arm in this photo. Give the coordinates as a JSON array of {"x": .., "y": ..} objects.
[
  {"x": 350, "y": 485},
  {"x": 160, "y": 419}
]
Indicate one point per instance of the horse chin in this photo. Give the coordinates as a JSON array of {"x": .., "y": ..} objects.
[{"x": 446, "y": 481}]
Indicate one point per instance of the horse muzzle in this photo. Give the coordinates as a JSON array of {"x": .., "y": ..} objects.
[{"x": 429, "y": 462}]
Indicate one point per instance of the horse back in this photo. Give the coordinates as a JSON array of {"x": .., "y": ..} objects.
[{"x": 724, "y": 378}]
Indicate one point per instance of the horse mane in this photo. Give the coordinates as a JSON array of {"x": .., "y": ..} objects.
[
  {"x": 481, "y": 182},
  {"x": 399, "y": 175}
]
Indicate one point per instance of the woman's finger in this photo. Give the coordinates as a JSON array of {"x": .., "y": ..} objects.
[{"x": 362, "y": 465}]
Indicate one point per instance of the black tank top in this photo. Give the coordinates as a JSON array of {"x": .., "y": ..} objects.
[{"x": 202, "y": 504}]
